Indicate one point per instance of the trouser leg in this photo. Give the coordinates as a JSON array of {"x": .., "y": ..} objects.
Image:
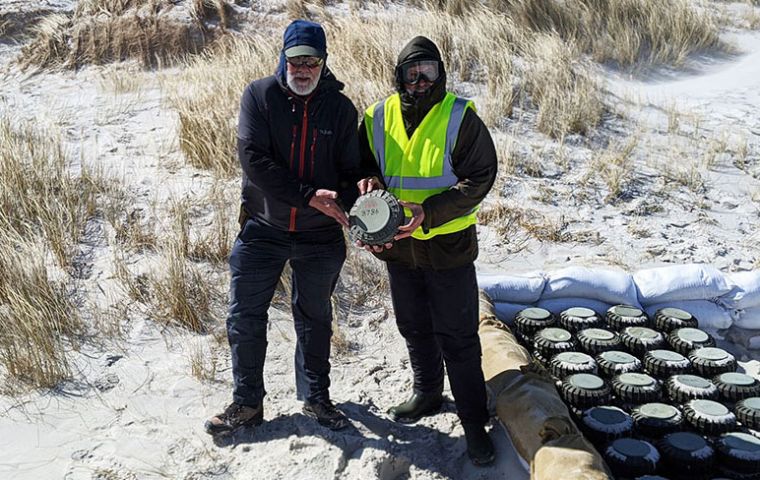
[
  {"x": 256, "y": 262},
  {"x": 316, "y": 264},
  {"x": 412, "y": 310},
  {"x": 454, "y": 304}
]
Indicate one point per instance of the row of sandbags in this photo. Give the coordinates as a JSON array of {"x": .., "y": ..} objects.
[
  {"x": 528, "y": 405},
  {"x": 717, "y": 299}
]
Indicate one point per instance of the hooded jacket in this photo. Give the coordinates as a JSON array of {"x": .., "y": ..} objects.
[
  {"x": 291, "y": 146},
  {"x": 474, "y": 162}
]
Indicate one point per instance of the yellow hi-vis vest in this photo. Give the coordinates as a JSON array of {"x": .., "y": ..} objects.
[{"x": 418, "y": 167}]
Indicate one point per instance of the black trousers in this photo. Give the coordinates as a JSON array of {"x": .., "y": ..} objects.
[
  {"x": 437, "y": 314},
  {"x": 256, "y": 262}
]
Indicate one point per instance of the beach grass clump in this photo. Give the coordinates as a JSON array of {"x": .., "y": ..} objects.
[
  {"x": 106, "y": 31},
  {"x": 38, "y": 320},
  {"x": 40, "y": 190},
  {"x": 564, "y": 88},
  {"x": 179, "y": 291},
  {"x": 206, "y": 97},
  {"x": 46, "y": 201},
  {"x": 624, "y": 32}
]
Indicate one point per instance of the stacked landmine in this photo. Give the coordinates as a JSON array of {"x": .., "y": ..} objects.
[
  {"x": 528, "y": 405},
  {"x": 655, "y": 396}
]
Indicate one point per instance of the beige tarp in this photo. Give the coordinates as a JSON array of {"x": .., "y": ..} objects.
[{"x": 528, "y": 405}]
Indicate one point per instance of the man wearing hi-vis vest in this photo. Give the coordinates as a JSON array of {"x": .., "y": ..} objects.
[{"x": 430, "y": 149}]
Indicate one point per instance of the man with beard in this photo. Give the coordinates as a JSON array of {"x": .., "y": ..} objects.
[
  {"x": 298, "y": 149},
  {"x": 430, "y": 149}
]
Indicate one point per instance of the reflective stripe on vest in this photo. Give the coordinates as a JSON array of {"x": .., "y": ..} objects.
[{"x": 426, "y": 157}]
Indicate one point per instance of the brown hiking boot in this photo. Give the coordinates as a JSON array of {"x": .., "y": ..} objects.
[
  {"x": 326, "y": 414},
  {"x": 233, "y": 417}
]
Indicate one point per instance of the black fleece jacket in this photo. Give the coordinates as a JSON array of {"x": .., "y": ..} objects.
[
  {"x": 290, "y": 146},
  {"x": 474, "y": 162}
]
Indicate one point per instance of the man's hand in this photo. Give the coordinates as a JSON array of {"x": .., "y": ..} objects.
[
  {"x": 418, "y": 216},
  {"x": 324, "y": 201},
  {"x": 373, "y": 248},
  {"x": 368, "y": 184}
]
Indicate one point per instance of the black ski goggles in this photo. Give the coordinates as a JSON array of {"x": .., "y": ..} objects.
[{"x": 413, "y": 72}]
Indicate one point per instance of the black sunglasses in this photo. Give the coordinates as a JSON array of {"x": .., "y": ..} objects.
[{"x": 308, "y": 62}]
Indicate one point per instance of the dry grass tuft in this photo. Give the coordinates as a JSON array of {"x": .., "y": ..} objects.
[
  {"x": 46, "y": 201},
  {"x": 206, "y": 97},
  {"x": 104, "y": 31},
  {"x": 565, "y": 90},
  {"x": 625, "y": 32},
  {"x": 211, "y": 241},
  {"x": 39, "y": 323},
  {"x": 296, "y": 9},
  {"x": 363, "y": 282},
  {"x": 180, "y": 293},
  {"x": 108, "y": 7},
  {"x": 508, "y": 221},
  {"x": 505, "y": 221},
  {"x": 39, "y": 191},
  {"x": 615, "y": 168},
  {"x": 202, "y": 360},
  {"x": 204, "y": 10}
]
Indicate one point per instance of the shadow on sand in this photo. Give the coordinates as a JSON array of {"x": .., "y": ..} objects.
[{"x": 424, "y": 447}]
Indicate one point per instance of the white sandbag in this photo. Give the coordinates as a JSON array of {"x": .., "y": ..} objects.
[
  {"x": 608, "y": 286},
  {"x": 558, "y": 305},
  {"x": 709, "y": 314},
  {"x": 748, "y": 318},
  {"x": 525, "y": 288},
  {"x": 680, "y": 282},
  {"x": 745, "y": 292},
  {"x": 506, "y": 311}
]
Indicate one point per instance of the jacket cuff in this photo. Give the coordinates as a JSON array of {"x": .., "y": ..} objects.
[
  {"x": 427, "y": 222},
  {"x": 308, "y": 193}
]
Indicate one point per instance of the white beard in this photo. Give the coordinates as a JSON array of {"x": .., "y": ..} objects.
[{"x": 298, "y": 87}]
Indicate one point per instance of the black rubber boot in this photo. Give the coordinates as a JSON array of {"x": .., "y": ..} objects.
[
  {"x": 418, "y": 406},
  {"x": 479, "y": 445}
]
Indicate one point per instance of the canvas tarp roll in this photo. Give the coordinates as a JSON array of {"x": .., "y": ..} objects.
[
  {"x": 569, "y": 456},
  {"x": 503, "y": 356},
  {"x": 530, "y": 408}
]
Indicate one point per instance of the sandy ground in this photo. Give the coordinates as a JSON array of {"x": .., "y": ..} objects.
[{"x": 135, "y": 411}]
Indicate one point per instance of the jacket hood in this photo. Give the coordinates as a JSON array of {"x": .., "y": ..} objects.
[
  {"x": 418, "y": 48},
  {"x": 414, "y": 108}
]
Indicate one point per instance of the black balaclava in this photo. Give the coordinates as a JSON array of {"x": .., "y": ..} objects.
[{"x": 414, "y": 108}]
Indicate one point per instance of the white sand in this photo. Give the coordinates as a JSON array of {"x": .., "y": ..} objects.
[{"x": 135, "y": 412}]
